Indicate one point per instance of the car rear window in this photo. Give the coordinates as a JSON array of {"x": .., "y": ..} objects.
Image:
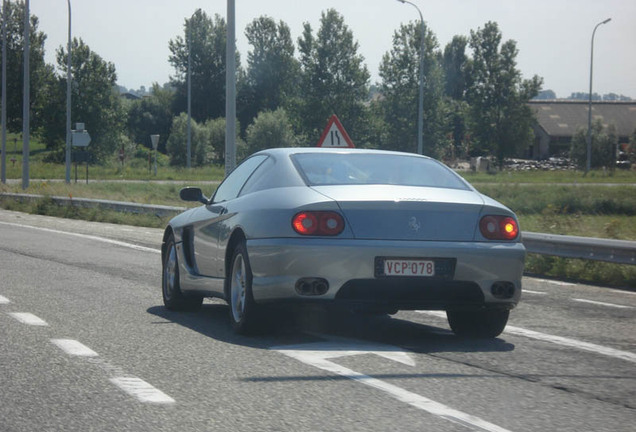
[{"x": 320, "y": 169}]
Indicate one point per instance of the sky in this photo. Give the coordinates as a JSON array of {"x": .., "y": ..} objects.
[{"x": 553, "y": 36}]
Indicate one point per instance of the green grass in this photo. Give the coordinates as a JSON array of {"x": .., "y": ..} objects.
[
  {"x": 47, "y": 207},
  {"x": 142, "y": 192}
]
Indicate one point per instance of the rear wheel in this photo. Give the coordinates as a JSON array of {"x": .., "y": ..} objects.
[
  {"x": 487, "y": 323},
  {"x": 173, "y": 298},
  {"x": 243, "y": 309}
]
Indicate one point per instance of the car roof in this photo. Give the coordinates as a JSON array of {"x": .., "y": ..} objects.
[{"x": 287, "y": 151}]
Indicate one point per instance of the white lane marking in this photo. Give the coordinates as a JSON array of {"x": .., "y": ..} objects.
[
  {"x": 598, "y": 303},
  {"x": 525, "y": 291},
  {"x": 4, "y": 300},
  {"x": 86, "y": 236},
  {"x": 140, "y": 389},
  {"x": 341, "y": 347},
  {"x": 572, "y": 343},
  {"x": 559, "y": 283},
  {"x": 317, "y": 355},
  {"x": 74, "y": 348},
  {"x": 28, "y": 318},
  {"x": 559, "y": 340}
]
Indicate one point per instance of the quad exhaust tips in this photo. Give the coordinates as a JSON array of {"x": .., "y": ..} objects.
[
  {"x": 312, "y": 286},
  {"x": 502, "y": 290}
]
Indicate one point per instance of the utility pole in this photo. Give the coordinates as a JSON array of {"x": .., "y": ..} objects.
[
  {"x": 68, "y": 99},
  {"x": 26, "y": 98},
  {"x": 3, "y": 164},
  {"x": 230, "y": 90}
]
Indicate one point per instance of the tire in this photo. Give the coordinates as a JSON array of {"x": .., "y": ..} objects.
[
  {"x": 243, "y": 309},
  {"x": 487, "y": 323},
  {"x": 173, "y": 298}
]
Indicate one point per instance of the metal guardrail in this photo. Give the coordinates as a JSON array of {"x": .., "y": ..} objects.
[
  {"x": 609, "y": 250},
  {"x": 613, "y": 251}
]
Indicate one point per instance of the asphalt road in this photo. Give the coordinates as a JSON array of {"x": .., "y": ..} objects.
[{"x": 85, "y": 344}]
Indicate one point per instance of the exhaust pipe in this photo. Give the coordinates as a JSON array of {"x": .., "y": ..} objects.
[
  {"x": 312, "y": 286},
  {"x": 503, "y": 290}
]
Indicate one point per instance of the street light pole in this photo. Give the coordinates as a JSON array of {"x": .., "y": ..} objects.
[
  {"x": 589, "y": 108},
  {"x": 26, "y": 98},
  {"x": 230, "y": 89},
  {"x": 68, "y": 98},
  {"x": 420, "y": 110},
  {"x": 4, "y": 92},
  {"x": 189, "y": 139}
]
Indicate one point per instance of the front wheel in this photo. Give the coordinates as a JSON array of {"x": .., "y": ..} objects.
[
  {"x": 243, "y": 309},
  {"x": 173, "y": 298},
  {"x": 487, "y": 323}
]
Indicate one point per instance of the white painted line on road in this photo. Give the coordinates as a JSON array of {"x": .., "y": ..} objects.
[
  {"x": 317, "y": 355},
  {"x": 572, "y": 343},
  {"x": 4, "y": 300},
  {"x": 140, "y": 389},
  {"x": 559, "y": 340},
  {"x": 28, "y": 318},
  {"x": 86, "y": 236},
  {"x": 598, "y": 303},
  {"x": 74, "y": 348},
  {"x": 559, "y": 283},
  {"x": 525, "y": 291}
]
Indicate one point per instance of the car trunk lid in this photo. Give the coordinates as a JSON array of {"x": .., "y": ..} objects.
[{"x": 407, "y": 212}]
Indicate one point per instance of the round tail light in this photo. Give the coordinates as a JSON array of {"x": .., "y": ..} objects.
[
  {"x": 318, "y": 223},
  {"x": 499, "y": 227}
]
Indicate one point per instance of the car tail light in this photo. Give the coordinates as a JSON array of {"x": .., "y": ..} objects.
[
  {"x": 318, "y": 223},
  {"x": 499, "y": 227}
]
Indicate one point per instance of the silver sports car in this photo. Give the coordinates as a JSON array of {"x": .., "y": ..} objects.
[{"x": 371, "y": 230}]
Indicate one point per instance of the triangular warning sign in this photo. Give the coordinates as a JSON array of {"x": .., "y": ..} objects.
[{"x": 335, "y": 135}]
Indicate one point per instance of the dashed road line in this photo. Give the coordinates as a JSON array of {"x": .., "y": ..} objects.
[
  {"x": 598, "y": 303},
  {"x": 28, "y": 318},
  {"x": 74, "y": 348},
  {"x": 4, "y": 300},
  {"x": 525, "y": 291},
  {"x": 141, "y": 390}
]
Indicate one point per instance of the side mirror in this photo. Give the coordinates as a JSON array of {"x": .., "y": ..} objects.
[{"x": 193, "y": 194}]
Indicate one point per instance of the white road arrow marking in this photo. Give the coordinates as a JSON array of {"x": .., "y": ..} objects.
[{"x": 319, "y": 354}]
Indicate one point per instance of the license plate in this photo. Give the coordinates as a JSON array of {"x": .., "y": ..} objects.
[{"x": 409, "y": 267}]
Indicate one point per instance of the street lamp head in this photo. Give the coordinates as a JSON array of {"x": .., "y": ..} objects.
[
  {"x": 606, "y": 21},
  {"x": 401, "y": 1}
]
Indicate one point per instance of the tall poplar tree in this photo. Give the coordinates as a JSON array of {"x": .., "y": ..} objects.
[
  {"x": 207, "y": 38},
  {"x": 399, "y": 72},
  {"x": 334, "y": 79},
  {"x": 498, "y": 96}
]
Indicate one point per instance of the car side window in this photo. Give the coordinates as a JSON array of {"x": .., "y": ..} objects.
[
  {"x": 233, "y": 183},
  {"x": 255, "y": 182}
]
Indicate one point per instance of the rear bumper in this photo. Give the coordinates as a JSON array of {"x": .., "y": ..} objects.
[{"x": 349, "y": 268}]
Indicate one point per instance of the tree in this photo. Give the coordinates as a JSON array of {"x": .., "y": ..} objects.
[
  {"x": 455, "y": 63},
  {"x": 272, "y": 70},
  {"x": 95, "y": 100},
  {"x": 151, "y": 115},
  {"x": 334, "y": 79},
  {"x": 176, "y": 145},
  {"x": 500, "y": 116},
  {"x": 41, "y": 74},
  {"x": 399, "y": 72},
  {"x": 270, "y": 129},
  {"x": 604, "y": 146},
  {"x": 208, "y": 47}
]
